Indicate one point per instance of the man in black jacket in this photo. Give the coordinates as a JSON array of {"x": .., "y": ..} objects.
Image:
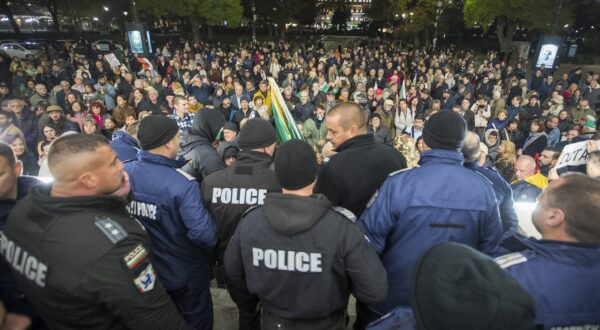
[
  {"x": 197, "y": 146},
  {"x": 228, "y": 193},
  {"x": 75, "y": 252},
  {"x": 360, "y": 166},
  {"x": 13, "y": 188},
  {"x": 300, "y": 256}
]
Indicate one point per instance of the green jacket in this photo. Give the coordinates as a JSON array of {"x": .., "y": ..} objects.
[
  {"x": 576, "y": 113},
  {"x": 314, "y": 134}
]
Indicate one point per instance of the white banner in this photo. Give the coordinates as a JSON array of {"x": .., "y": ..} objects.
[
  {"x": 574, "y": 154},
  {"x": 112, "y": 60}
]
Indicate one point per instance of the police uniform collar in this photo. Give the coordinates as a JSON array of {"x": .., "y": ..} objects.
[
  {"x": 292, "y": 214},
  {"x": 147, "y": 157},
  {"x": 559, "y": 251},
  {"x": 441, "y": 156},
  {"x": 357, "y": 141},
  {"x": 55, "y": 205},
  {"x": 250, "y": 156}
]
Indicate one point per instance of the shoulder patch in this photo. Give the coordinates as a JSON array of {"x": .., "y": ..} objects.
[
  {"x": 186, "y": 175},
  {"x": 252, "y": 208},
  {"x": 146, "y": 280},
  {"x": 510, "y": 260},
  {"x": 135, "y": 256},
  {"x": 111, "y": 229},
  {"x": 400, "y": 171},
  {"x": 345, "y": 212}
]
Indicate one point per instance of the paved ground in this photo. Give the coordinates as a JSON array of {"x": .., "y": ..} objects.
[{"x": 226, "y": 316}]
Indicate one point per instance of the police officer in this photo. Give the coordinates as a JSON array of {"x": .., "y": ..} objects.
[
  {"x": 504, "y": 193},
  {"x": 445, "y": 202},
  {"x": 75, "y": 252},
  {"x": 167, "y": 201},
  {"x": 13, "y": 188},
  {"x": 561, "y": 270},
  {"x": 228, "y": 193},
  {"x": 300, "y": 256}
]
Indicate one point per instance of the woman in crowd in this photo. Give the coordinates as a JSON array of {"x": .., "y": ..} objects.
[
  {"x": 17, "y": 144},
  {"x": 536, "y": 141},
  {"x": 122, "y": 110},
  {"x": 48, "y": 135},
  {"x": 98, "y": 112},
  {"x": 505, "y": 163}
]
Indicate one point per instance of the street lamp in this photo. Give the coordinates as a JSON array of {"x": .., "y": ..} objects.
[
  {"x": 105, "y": 8},
  {"x": 125, "y": 13}
]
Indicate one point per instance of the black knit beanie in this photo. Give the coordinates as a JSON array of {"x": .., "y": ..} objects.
[
  {"x": 295, "y": 165},
  {"x": 256, "y": 133},
  {"x": 156, "y": 131},
  {"x": 456, "y": 287},
  {"x": 445, "y": 130}
]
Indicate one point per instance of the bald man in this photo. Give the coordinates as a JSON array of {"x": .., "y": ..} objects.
[
  {"x": 360, "y": 166},
  {"x": 528, "y": 184},
  {"x": 76, "y": 253}
]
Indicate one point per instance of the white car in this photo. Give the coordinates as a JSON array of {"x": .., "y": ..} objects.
[{"x": 14, "y": 49}]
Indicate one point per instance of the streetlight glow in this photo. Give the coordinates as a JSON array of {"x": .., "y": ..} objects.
[
  {"x": 105, "y": 8},
  {"x": 125, "y": 13}
]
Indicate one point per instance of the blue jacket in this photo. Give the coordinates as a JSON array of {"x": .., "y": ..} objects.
[
  {"x": 504, "y": 195},
  {"x": 126, "y": 146},
  {"x": 167, "y": 202},
  {"x": 398, "y": 319},
  {"x": 414, "y": 209},
  {"x": 561, "y": 277}
]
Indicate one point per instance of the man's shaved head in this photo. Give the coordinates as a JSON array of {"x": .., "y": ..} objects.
[
  {"x": 71, "y": 154},
  {"x": 350, "y": 115}
]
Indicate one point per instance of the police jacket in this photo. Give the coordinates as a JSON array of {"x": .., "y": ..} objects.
[
  {"x": 361, "y": 165},
  {"x": 228, "y": 193},
  {"x": 414, "y": 209},
  {"x": 10, "y": 295},
  {"x": 126, "y": 146},
  {"x": 504, "y": 195},
  {"x": 83, "y": 263},
  {"x": 167, "y": 202},
  {"x": 561, "y": 277},
  {"x": 302, "y": 258}
]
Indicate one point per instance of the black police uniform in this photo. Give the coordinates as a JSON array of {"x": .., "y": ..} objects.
[
  {"x": 302, "y": 258},
  {"x": 228, "y": 193},
  {"x": 84, "y": 264}
]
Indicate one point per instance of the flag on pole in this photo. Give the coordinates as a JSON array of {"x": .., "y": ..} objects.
[
  {"x": 285, "y": 125},
  {"x": 403, "y": 89}
]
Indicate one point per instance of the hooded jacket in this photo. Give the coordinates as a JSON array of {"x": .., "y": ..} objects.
[
  {"x": 561, "y": 277},
  {"x": 415, "y": 209},
  {"x": 322, "y": 257},
  {"x": 250, "y": 175},
  {"x": 197, "y": 147}
]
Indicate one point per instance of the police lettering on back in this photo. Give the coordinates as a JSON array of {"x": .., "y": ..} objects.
[
  {"x": 239, "y": 196},
  {"x": 23, "y": 262},
  {"x": 291, "y": 261}
]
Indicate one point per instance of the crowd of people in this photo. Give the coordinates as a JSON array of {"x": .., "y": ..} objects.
[{"x": 404, "y": 151}]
